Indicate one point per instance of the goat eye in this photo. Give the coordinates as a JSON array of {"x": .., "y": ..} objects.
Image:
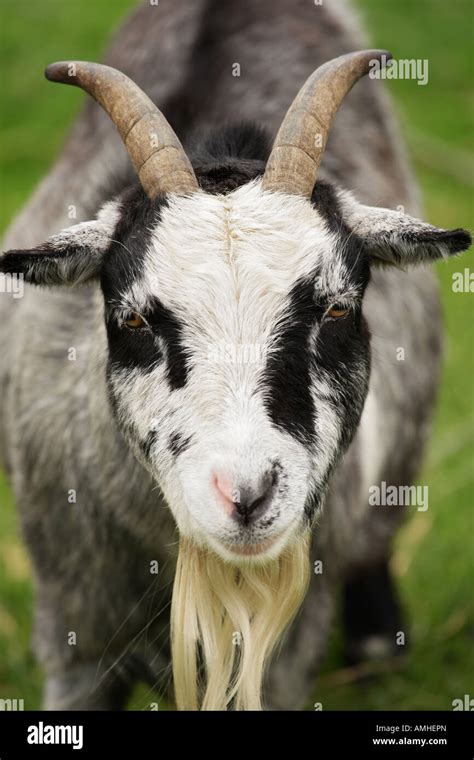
[
  {"x": 337, "y": 312},
  {"x": 134, "y": 321}
]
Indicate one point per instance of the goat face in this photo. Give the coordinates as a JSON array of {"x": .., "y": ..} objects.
[
  {"x": 239, "y": 360},
  {"x": 238, "y": 354}
]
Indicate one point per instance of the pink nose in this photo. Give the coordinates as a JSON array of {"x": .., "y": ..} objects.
[{"x": 227, "y": 495}]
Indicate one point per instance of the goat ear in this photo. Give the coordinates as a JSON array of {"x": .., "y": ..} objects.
[
  {"x": 72, "y": 256},
  {"x": 394, "y": 238}
]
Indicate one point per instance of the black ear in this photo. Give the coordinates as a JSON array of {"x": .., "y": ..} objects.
[
  {"x": 72, "y": 256},
  {"x": 391, "y": 237}
]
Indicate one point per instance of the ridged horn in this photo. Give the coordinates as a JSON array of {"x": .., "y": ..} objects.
[
  {"x": 302, "y": 137},
  {"x": 154, "y": 149}
]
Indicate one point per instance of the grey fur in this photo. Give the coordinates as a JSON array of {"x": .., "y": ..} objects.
[{"x": 92, "y": 558}]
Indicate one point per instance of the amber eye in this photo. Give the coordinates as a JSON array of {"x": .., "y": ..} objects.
[
  {"x": 135, "y": 321},
  {"x": 337, "y": 312}
]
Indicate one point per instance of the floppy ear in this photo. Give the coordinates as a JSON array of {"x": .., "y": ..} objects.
[
  {"x": 72, "y": 256},
  {"x": 394, "y": 238}
]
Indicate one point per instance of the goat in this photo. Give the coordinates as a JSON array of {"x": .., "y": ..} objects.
[{"x": 129, "y": 422}]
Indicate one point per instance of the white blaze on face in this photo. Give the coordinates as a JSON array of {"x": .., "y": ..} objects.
[{"x": 224, "y": 266}]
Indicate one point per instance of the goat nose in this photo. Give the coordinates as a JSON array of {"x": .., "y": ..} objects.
[{"x": 246, "y": 503}]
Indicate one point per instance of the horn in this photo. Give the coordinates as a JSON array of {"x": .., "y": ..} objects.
[
  {"x": 155, "y": 151},
  {"x": 302, "y": 137}
]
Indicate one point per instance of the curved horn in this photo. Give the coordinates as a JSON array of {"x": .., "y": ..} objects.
[
  {"x": 155, "y": 151},
  {"x": 302, "y": 137}
]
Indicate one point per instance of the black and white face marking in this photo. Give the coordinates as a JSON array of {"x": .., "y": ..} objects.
[{"x": 240, "y": 389}]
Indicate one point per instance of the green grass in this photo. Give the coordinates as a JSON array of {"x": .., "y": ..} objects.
[{"x": 434, "y": 552}]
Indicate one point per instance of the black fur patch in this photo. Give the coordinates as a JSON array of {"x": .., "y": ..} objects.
[
  {"x": 286, "y": 381},
  {"x": 166, "y": 324},
  {"x": 140, "y": 348},
  {"x": 431, "y": 240},
  {"x": 132, "y": 349},
  {"x": 455, "y": 240},
  {"x": 230, "y": 157},
  {"x": 325, "y": 200},
  {"x": 341, "y": 352},
  {"x": 223, "y": 178},
  {"x": 123, "y": 262},
  {"x": 147, "y": 445},
  {"x": 178, "y": 443}
]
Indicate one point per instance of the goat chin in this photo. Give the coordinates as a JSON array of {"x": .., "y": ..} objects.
[{"x": 226, "y": 622}]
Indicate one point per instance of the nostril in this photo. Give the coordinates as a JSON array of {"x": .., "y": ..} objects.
[{"x": 249, "y": 510}]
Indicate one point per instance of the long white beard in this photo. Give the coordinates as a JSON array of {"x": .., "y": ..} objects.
[{"x": 226, "y": 621}]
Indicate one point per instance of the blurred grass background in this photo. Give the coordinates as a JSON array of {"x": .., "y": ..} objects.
[{"x": 434, "y": 557}]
